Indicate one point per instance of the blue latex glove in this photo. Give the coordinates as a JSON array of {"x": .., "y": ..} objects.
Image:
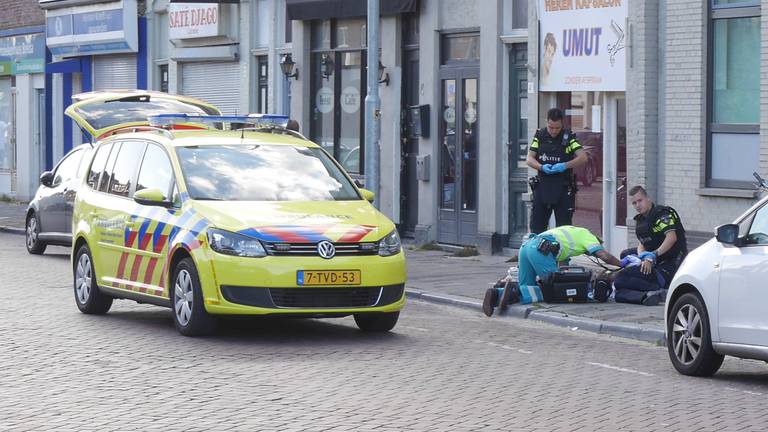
[
  {"x": 558, "y": 168},
  {"x": 651, "y": 256},
  {"x": 629, "y": 259},
  {"x": 547, "y": 169}
]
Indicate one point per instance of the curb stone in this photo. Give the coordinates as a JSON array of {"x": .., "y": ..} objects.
[
  {"x": 11, "y": 230},
  {"x": 628, "y": 331}
]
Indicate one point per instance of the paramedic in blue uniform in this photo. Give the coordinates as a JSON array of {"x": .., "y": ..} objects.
[
  {"x": 661, "y": 250},
  {"x": 539, "y": 256},
  {"x": 554, "y": 153}
]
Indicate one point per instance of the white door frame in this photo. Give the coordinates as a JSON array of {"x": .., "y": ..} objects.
[{"x": 615, "y": 236}]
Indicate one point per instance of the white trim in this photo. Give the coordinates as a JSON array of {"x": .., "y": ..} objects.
[{"x": 515, "y": 36}]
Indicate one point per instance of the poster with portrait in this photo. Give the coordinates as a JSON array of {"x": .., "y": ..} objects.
[{"x": 582, "y": 45}]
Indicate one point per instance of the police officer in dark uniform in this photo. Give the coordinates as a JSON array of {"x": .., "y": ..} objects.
[
  {"x": 554, "y": 153},
  {"x": 661, "y": 250}
]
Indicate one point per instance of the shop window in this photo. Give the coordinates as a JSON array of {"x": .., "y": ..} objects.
[
  {"x": 520, "y": 14},
  {"x": 338, "y": 90},
  {"x": 7, "y": 124},
  {"x": 321, "y": 34},
  {"x": 350, "y": 33},
  {"x": 460, "y": 48},
  {"x": 734, "y": 93}
]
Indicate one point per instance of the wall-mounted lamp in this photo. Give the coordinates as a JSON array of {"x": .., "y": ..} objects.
[
  {"x": 287, "y": 65},
  {"x": 383, "y": 75},
  {"x": 326, "y": 66}
]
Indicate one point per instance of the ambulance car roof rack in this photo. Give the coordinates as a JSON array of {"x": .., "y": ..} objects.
[{"x": 218, "y": 122}]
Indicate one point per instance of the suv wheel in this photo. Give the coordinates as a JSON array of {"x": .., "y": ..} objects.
[
  {"x": 689, "y": 340},
  {"x": 89, "y": 298},
  {"x": 34, "y": 245},
  {"x": 377, "y": 322},
  {"x": 189, "y": 314}
]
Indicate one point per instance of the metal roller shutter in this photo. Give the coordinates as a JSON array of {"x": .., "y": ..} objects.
[
  {"x": 114, "y": 72},
  {"x": 217, "y": 83}
]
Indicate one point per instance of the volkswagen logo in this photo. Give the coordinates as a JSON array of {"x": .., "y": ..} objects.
[{"x": 325, "y": 249}]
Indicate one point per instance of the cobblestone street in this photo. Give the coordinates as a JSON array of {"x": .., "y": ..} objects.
[{"x": 442, "y": 369}]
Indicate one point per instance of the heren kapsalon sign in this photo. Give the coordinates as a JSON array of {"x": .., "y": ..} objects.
[
  {"x": 582, "y": 45},
  {"x": 193, "y": 20}
]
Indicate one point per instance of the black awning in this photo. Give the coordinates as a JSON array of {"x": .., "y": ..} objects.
[{"x": 322, "y": 9}]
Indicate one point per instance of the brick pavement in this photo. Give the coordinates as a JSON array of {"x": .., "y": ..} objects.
[{"x": 443, "y": 369}]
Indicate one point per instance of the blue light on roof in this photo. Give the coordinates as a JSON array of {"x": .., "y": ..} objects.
[{"x": 251, "y": 120}]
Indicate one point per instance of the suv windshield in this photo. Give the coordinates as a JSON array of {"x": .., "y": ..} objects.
[{"x": 263, "y": 173}]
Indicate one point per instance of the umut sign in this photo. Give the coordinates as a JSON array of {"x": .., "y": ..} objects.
[
  {"x": 582, "y": 45},
  {"x": 193, "y": 20}
]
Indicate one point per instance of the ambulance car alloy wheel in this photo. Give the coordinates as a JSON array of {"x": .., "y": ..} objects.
[
  {"x": 189, "y": 312},
  {"x": 34, "y": 244},
  {"x": 89, "y": 298},
  {"x": 689, "y": 340},
  {"x": 377, "y": 322}
]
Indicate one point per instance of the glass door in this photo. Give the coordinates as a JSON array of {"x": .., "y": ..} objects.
[
  {"x": 616, "y": 188},
  {"x": 458, "y": 158}
]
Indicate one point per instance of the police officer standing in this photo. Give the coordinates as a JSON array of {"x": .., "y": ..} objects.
[
  {"x": 554, "y": 153},
  {"x": 662, "y": 248}
]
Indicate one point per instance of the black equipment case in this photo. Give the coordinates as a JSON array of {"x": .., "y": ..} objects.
[{"x": 569, "y": 284}]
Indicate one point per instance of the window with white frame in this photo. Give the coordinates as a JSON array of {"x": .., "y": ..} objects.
[{"x": 734, "y": 93}]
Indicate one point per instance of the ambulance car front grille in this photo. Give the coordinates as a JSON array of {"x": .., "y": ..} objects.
[
  {"x": 309, "y": 298},
  {"x": 310, "y": 249}
]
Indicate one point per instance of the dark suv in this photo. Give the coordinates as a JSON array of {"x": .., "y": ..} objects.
[{"x": 49, "y": 215}]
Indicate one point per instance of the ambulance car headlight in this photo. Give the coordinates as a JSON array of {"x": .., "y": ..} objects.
[
  {"x": 229, "y": 243},
  {"x": 390, "y": 245}
]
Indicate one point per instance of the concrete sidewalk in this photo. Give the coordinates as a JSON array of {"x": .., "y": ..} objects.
[
  {"x": 12, "y": 217},
  {"x": 439, "y": 277}
]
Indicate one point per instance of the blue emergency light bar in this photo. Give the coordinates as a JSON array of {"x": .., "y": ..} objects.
[{"x": 252, "y": 120}]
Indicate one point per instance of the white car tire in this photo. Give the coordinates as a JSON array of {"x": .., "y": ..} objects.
[{"x": 689, "y": 340}]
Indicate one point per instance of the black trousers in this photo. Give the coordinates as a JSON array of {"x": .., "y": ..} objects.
[
  {"x": 541, "y": 211},
  {"x": 667, "y": 268},
  {"x": 632, "y": 285}
]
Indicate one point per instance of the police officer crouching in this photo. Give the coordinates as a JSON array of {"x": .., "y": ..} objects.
[
  {"x": 554, "y": 153},
  {"x": 660, "y": 253}
]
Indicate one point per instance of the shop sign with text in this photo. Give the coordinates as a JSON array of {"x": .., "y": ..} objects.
[
  {"x": 22, "y": 54},
  {"x": 582, "y": 45},
  {"x": 193, "y": 20}
]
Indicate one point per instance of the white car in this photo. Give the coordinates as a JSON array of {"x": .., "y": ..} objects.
[{"x": 717, "y": 302}]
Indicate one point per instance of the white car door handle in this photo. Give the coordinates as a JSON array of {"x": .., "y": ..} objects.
[{"x": 717, "y": 265}]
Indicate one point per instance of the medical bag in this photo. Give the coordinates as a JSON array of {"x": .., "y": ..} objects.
[{"x": 570, "y": 284}]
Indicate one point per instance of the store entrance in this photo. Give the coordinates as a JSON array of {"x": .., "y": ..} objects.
[{"x": 458, "y": 156}]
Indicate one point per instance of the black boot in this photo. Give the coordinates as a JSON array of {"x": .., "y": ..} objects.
[{"x": 490, "y": 300}]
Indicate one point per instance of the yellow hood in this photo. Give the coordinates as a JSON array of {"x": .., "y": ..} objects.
[{"x": 298, "y": 222}]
